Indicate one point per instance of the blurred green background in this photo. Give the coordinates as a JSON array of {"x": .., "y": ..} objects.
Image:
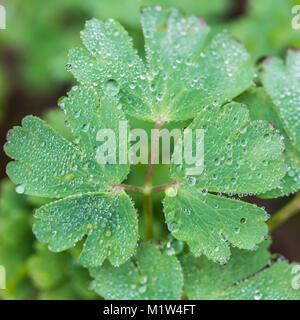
[{"x": 33, "y": 55}]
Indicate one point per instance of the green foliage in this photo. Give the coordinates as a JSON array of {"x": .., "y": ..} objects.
[
  {"x": 109, "y": 220},
  {"x": 278, "y": 102},
  {"x": 184, "y": 77},
  {"x": 266, "y": 28},
  {"x": 58, "y": 276},
  {"x": 76, "y": 174},
  {"x": 188, "y": 74},
  {"x": 151, "y": 275},
  {"x": 15, "y": 213},
  {"x": 247, "y": 276},
  {"x": 46, "y": 36},
  {"x": 32, "y": 271}
]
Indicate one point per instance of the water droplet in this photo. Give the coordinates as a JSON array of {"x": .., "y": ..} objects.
[
  {"x": 171, "y": 191},
  {"x": 20, "y": 189},
  {"x": 111, "y": 87},
  {"x": 191, "y": 181},
  {"x": 142, "y": 289},
  {"x": 257, "y": 295}
]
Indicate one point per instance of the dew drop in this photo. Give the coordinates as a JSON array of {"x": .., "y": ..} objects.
[
  {"x": 20, "y": 189},
  {"x": 111, "y": 87},
  {"x": 171, "y": 191}
]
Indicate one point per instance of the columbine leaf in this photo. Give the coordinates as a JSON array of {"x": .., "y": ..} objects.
[
  {"x": 182, "y": 72},
  {"x": 262, "y": 107},
  {"x": 48, "y": 165},
  {"x": 282, "y": 83},
  {"x": 108, "y": 220},
  {"x": 240, "y": 157},
  {"x": 245, "y": 277},
  {"x": 150, "y": 275},
  {"x": 208, "y": 223}
]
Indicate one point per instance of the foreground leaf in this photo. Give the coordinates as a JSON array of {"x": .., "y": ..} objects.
[
  {"x": 151, "y": 275},
  {"x": 240, "y": 157},
  {"x": 243, "y": 278},
  {"x": 48, "y": 165},
  {"x": 182, "y": 74},
  {"x": 209, "y": 223},
  {"x": 109, "y": 221}
]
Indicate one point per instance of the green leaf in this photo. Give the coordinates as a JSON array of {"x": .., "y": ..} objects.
[
  {"x": 240, "y": 157},
  {"x": 50, "y": 166},
  {"x": 149, "y": 275},
  {"x": 108, "y": 220},
  {"x": 247, "y": 276},
  {"x": 262, "y": 107},
  {"x": 210, "y": 223},
  {"x": 282, "y": 82},
  {"x": 183, "y": 73}
]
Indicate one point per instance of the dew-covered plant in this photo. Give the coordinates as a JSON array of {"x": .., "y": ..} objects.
[{"x": 216, "y": 245}]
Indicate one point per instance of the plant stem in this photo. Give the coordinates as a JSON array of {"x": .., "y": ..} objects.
[
  {"x": 147, "y": 198},
  {"x": 285, "y": 213},
  {"x": 162, "y": 186},
  {"x": 153, "y": 155},
  {"x": 131, "y": 188}
]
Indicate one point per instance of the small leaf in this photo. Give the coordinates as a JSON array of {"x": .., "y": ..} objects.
[
  {"x": 239, "y": 156},
  {"x": 109, "y": 221},
  {"x": 245, "y": 277},
  {"x": 209, "y": 223},
  {"x": 262, "y": 107},
  {"x": 50, "y": 166},
  {"x": 150, "y": 275},
  {"x": 282, "y": 82},
  {"x": 182, "y": 74}
]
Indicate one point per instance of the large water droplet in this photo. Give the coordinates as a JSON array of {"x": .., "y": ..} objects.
[
  {"x": 111, "y": 87},
  {"x": 20, "y": 189}
]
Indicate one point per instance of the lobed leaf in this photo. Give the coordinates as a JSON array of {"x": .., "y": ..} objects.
[
  {"x": 108, "y": 220},
  {"x": 262, "y": 107},
  {"x": 182, "y": 72},
  {"x": 246, "y": 276},
  {"x": 210, "y": 223},
  {"x": 150, "y": 275},
  {"x": 50, "y": 166},
  {"x": 240, "y": 157},
  {"x": 282, "y": 82}
]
